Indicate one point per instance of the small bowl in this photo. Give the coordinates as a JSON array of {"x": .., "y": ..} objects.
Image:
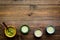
[
  {"x": 38, "y": 33},
  {"x": 24, "y": 29},
  {"x": 50, "y": 29},
  {"x": 10, "y": 32}
]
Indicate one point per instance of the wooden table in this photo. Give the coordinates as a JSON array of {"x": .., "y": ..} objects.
[{"x": 38, "y": 15}]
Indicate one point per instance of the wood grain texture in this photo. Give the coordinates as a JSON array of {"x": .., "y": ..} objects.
[
  {"x": 30, "y": 2},
  {"x": 39, "y": 17}
]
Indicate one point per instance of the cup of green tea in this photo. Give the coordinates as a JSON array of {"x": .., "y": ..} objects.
[
  {"x": 50, "y": 29},
  {"x": 10, "y": 32}
]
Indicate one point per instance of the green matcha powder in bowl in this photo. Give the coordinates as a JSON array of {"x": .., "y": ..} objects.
[{"x": 10, "y": 32}]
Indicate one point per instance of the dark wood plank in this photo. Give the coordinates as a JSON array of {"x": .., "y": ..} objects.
[{"x": 16, "y": 14}]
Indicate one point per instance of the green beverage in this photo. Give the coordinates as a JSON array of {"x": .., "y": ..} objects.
[
  {"x": 24, "y": 29},
  {"x": 50, "y": 29},
  {"x": 38, "y": 33}
]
